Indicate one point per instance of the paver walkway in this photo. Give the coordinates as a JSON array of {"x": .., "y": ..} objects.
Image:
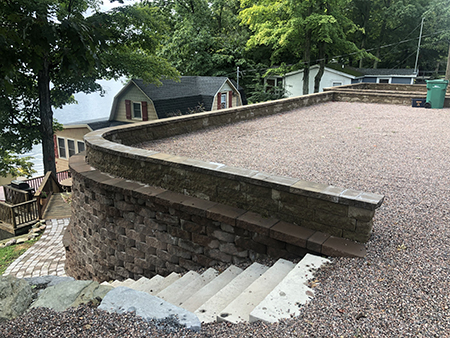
[{"x": 46, "y": 257}]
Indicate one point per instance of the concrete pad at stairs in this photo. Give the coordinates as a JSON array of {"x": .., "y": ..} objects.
[
  {"x": 286, "y": 298},
  {"x": 145, "y": 283},
  {"x": 210, "y": 289},
  {"x": 175, "y": 291},
  {"x": 70, "y": 294},
  {"x": 207, "y": 313},
  {"x": 239, "y": 309},
  {"x": 123, "y": 299}
]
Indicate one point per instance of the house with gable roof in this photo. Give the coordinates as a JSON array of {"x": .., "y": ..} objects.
[
  {"x": 339, "y": 75},
  {"x": 138, "y": 101}
]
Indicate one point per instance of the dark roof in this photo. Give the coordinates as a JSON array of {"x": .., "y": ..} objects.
[
  {"x": 187, "y": 86},
  {"x": 385, "y": 71},
  {"x": 183, "y": 96},
  {"x": 97, "y": 123}
]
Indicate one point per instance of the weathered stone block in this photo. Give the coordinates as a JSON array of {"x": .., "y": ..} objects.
[
  {"x": 188, "y": 264},
  {"x": 329, "y": 207},
  {"x": 179, "y": 252},
  {"x": 188, "y": 245},
  {"x": 166, "y": 238},
  {"x": 167, "y": 257},
  {"x": 231, "y": 249},
  {"x": 325, "y": 218},
  {"x": 291, "y": 233},
  {"x": 360, "y": 214},
  {"x": 218, "y": 255},
  {"x": 192, "y": 227},
  {"x": 247, "y": 243},
  {"x": 179, "y": 233},
  {"x": 222, "y": 236},
  {"x": 153, "y": 242},
  {"x": 168, "y": 219}
]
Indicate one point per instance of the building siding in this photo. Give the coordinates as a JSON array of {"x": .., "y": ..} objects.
[{"x": 134, "y": 95}]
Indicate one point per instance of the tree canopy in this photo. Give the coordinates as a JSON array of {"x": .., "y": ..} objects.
[{"x": 50, "y": 49}]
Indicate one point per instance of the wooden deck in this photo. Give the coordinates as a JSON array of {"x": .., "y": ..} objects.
[{"x": 57, "y": 208}]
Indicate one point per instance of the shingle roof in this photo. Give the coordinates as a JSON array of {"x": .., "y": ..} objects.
[
  {"x": 97, "y": 123},
  {"x": 181, "y": 97},
  {"x": 187, "y": 86},
  {"x": 385, "y": 71}
]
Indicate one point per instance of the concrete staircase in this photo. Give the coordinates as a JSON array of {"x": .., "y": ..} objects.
[{"x": 236, "y": 295}]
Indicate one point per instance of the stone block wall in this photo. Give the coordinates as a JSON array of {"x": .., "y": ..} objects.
[
  {"x": 315, "y": 206},
  {"x": 125, "y": 229}
]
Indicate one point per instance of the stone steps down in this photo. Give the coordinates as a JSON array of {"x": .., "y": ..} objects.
[{"x": 236, "y": 295}]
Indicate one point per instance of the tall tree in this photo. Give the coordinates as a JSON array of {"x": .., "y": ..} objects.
[
  {"x": 311, "y": 31},
  {"x": 50, "y": 50}
]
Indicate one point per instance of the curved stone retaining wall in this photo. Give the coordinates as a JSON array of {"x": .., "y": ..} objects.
[
  {"x": 124, "y": 229},
  {"x": 200, "y": 213}
]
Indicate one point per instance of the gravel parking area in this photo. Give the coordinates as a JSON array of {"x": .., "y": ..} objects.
[{"x": 401, "y": 288}]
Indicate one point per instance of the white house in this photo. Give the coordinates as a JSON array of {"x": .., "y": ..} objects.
[{"x": 339, "y": 75}]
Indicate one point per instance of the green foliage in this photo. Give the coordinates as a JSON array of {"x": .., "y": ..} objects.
[
  {"x": 52, "y": 41},
  {"x": 10, "y": 253}
]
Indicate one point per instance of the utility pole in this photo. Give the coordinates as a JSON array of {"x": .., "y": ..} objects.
[
  {"x": 418, "y": 47},
  {"x": 237, "y": 77},
  {"x": 447, "y": 72}
]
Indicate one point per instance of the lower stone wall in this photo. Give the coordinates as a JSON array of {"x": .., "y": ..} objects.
[{"x": 123, "y": 229}]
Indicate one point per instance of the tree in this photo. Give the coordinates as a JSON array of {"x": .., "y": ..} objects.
[
  {"x": 306, "y": 30},
  {"x": 50, "y": 50}
]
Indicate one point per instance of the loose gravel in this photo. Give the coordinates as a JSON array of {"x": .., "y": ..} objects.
[{"x": 401, "y": 288}]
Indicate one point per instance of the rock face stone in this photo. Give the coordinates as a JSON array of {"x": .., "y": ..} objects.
[
  {"x": 15, "y": 297},
  {"x": 71, "y": 294},
  {"x": 123, "y": 299},
  {"x": 43, "y": 282}
]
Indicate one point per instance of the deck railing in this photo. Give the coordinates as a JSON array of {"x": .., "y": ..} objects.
[{"x": 18, "y": 215}]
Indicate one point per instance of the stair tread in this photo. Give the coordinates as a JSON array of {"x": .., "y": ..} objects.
[
  {"x": 160, "y": 284},
  {"x": 208, "y": 312},
  {"x": 241, "y": 307},
  {"x": 210, "y": 289},
  {"x": 144, "y": 283},
  {"x": 195, "y": 285},
  {"x": 175, "y": 290},
  {"x": 284, "y": 300}
]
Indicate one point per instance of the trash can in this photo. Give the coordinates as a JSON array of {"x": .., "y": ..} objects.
[{"x": 436, "y": 90}]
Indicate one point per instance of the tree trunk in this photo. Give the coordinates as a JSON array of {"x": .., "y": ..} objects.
[
  {"x": 306, "y": 58},
  {"x": 319, "y": 74},
  {"x": 46, "y": 114}
]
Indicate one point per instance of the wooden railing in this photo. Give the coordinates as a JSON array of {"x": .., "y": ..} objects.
[
  {"x": 48, "y": 186},
  {"x": 18, "y": 215},
  {"x": 35, "y": 182},
  {"x": 16, "y": 196}
]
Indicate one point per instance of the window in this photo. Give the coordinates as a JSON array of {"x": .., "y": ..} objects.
[
  {"x": 61, "y": 147},
  {"x": 80, "y": 146},
  {"x": 137, "y": 112},
  {"x": 223, "y": 100},
  {"x": 336, "y": 83},
  {"x": 71, "y": 147},
  {"x": 384, "y": 80}
]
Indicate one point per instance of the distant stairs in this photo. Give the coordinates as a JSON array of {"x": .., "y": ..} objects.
[{"x": 236, "y": 295}]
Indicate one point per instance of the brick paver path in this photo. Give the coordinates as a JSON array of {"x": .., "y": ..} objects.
[{"x": 46, "y": 257}]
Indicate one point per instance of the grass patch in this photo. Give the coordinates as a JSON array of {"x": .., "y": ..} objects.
[{"x": 10, "y": 253}]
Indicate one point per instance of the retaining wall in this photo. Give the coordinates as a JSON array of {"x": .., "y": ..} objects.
[{"x": 199, "y": 213}]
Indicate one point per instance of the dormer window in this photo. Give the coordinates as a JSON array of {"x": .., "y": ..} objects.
[{"x": 137, "y": 110}]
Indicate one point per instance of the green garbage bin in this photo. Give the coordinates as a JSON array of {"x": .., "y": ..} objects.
[{"x": 436, "y": 90}]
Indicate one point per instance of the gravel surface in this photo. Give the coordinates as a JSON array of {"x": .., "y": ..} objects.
[{"x": 401, "y": 288}]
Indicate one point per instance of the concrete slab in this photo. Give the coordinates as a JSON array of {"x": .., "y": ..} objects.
[
  {"x": 195, "y": 285},
  {"x": 144, "y": 283},
  {"x": 174, "y": 291},
  {"x": 210, "y": 289},
  {"x": 286, "y": 298},
  {"x": 207, "y": 313},
  {"x": 239, "y": 309}
]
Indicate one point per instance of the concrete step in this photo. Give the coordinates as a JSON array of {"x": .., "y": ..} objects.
[
  {"x": 195, "y": 285},
  {"x": 126, "y": 282},
  {"x": 284, "y": 300},
  {"x": 210, "y": 289},
  {"x": 239, "y": 309},
  {"x": 159, "y": 285},
  {"x": 208, "y": 312},
  {"x": 145, "y": 284},
  {"x": 174, "y": 291}
]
